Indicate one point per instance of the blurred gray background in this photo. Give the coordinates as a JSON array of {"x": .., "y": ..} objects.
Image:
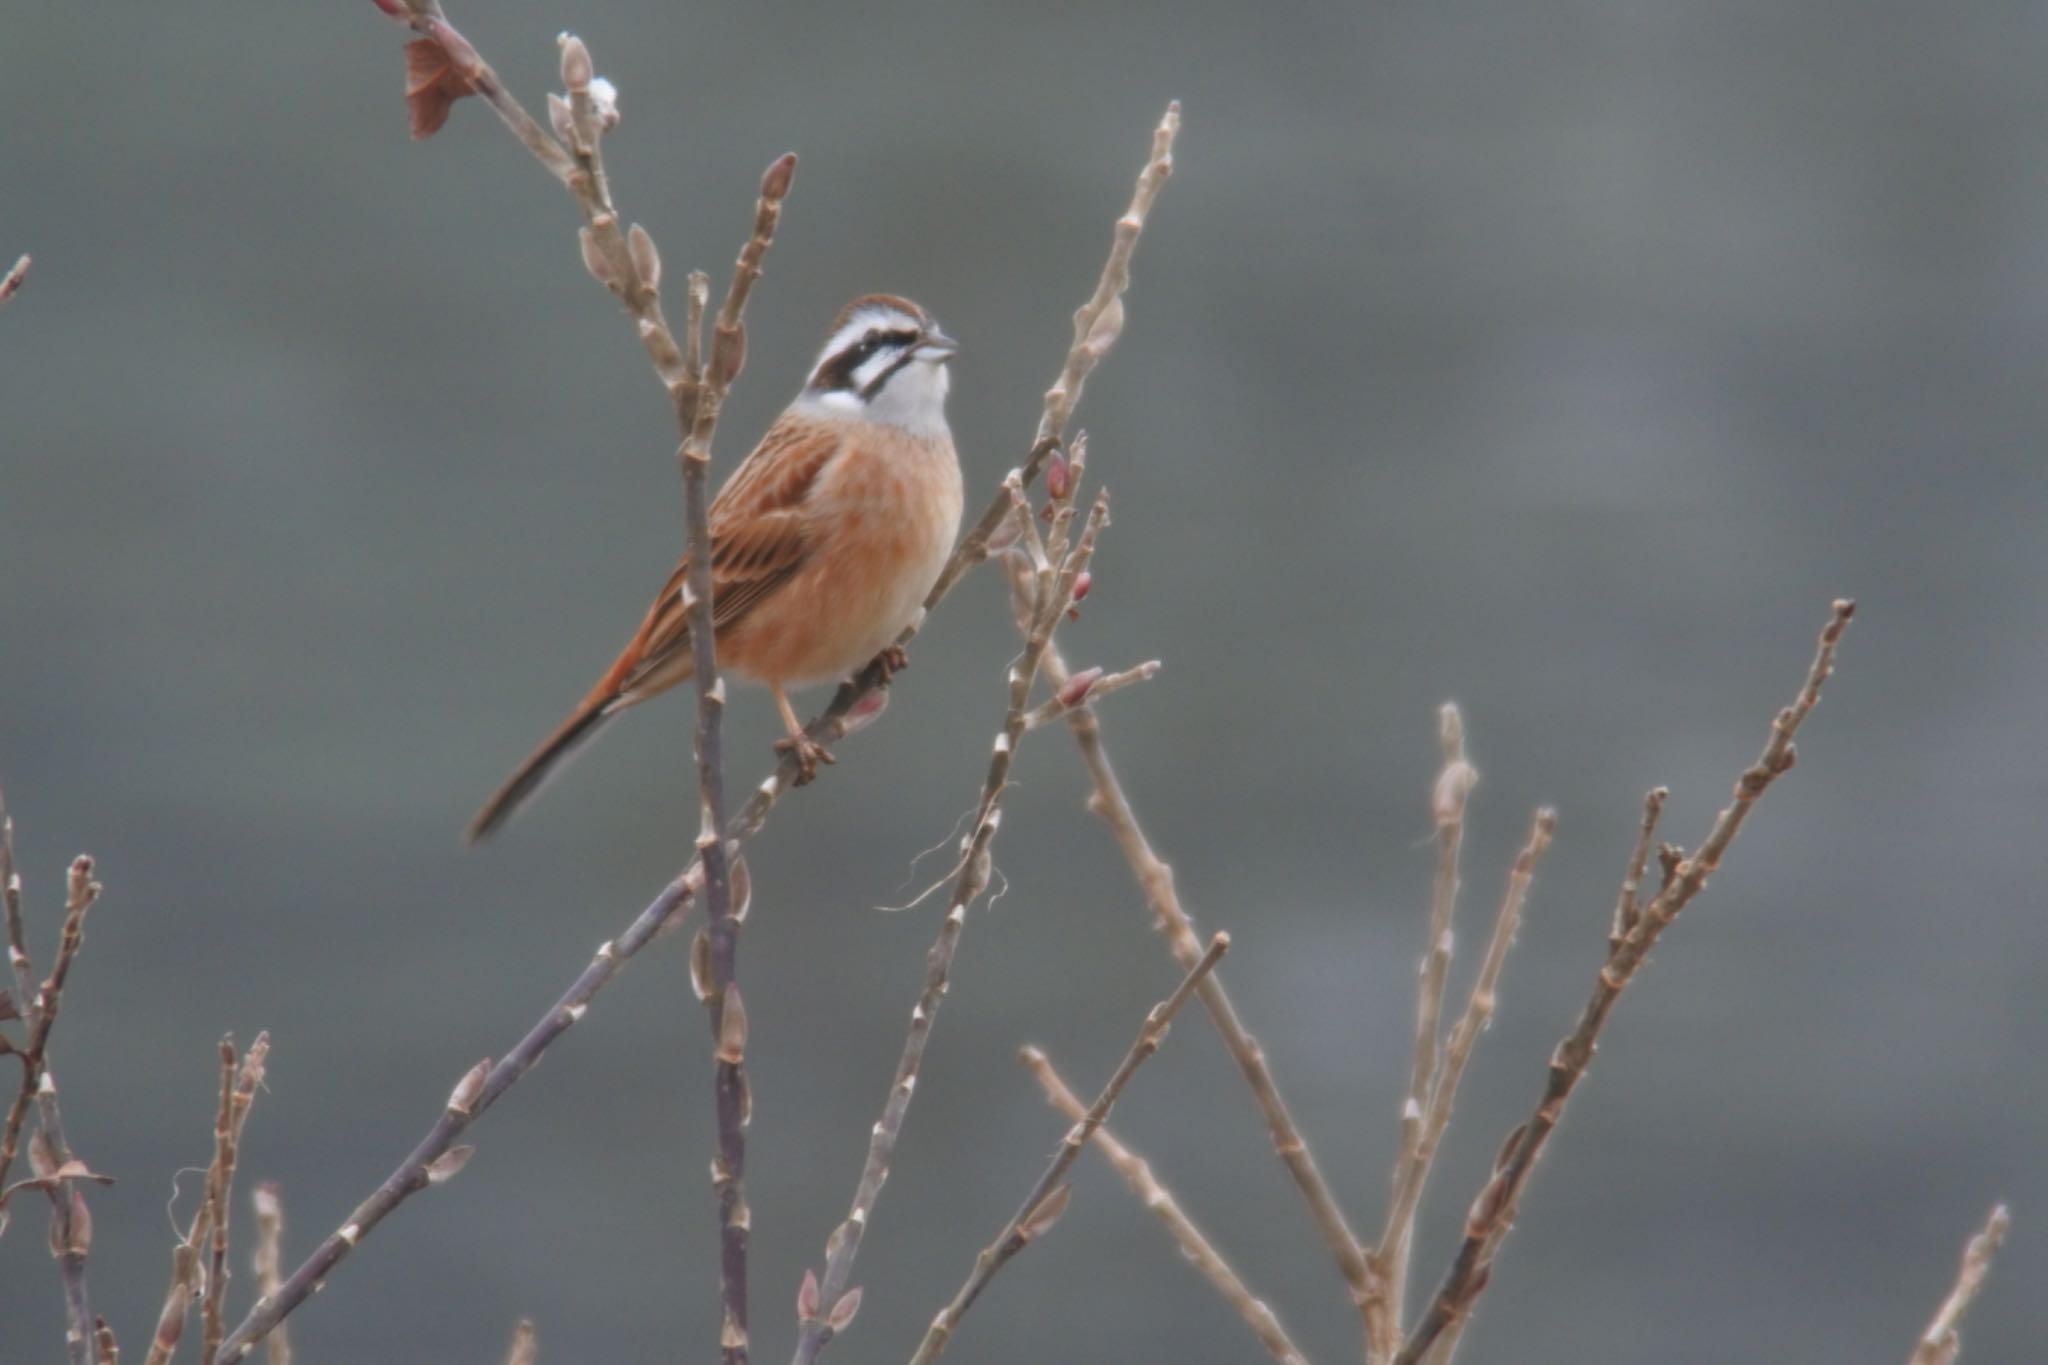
[{"x": 1564, "y": 359}]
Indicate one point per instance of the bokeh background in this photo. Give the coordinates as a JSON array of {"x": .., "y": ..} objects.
[{"x": 1565, "y": 360}]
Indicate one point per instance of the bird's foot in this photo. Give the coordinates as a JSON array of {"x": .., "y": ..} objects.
[
  {"x": 893, "y": 660},
  {"x": 809, "y": 754}
]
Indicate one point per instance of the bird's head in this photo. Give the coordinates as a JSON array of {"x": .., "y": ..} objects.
[{"x": 885, "y": 359}]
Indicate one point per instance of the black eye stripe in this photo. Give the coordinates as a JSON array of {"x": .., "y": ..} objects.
[{"x": 838, "y": 372}]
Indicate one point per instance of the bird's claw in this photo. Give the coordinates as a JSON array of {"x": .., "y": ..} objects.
[
  {"x": 893, "y": 660},
  {"x": 809, "y": 754}
]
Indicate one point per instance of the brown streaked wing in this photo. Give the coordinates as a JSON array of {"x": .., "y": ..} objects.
[{"x": 758, "y": 539}]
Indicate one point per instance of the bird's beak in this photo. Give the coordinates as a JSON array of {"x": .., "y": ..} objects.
[{"x": 937, "y": 347}]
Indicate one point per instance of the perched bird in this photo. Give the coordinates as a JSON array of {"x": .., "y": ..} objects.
[{"x": 824, "y": 541}]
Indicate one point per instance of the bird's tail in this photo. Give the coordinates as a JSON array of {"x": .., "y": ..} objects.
[{"x": 575, "y": 732}]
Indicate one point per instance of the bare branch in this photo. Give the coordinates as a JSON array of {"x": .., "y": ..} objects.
[
  {"x": 1493, "y": 1212},
  {"x": 56, "y": 1169},
  {"x": 1155, "y": 880},
  {"x": 1047, "y": 1199},
  {"x": 698, "y": 401},
  {"x": 1941, "y": 1342},
  {"x": 844, "y": 1244},
  {"x": 1196, "y": 1247},
  {"x": 1411, "y": 1169},
  {"x": 238, "y": 1085}
]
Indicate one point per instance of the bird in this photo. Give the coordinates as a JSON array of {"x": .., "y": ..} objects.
[{"x": 824, "y": 541}]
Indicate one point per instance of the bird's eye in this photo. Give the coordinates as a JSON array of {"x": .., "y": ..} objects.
[{"x": 874, "y": 335}]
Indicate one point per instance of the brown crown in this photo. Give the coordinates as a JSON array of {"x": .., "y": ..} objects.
[{"x": 883, "y": 300}]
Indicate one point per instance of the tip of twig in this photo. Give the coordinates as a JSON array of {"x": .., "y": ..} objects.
[
  {"x": 781, "y": 172},
  {"x": 11, "y": 282}
]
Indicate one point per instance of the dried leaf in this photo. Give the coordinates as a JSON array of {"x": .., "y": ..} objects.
[{"x": 432, "y": 85}]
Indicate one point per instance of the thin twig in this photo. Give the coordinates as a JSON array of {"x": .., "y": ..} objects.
[
  {"x": 1155, "y": 881},
  {"x": 268, "y": 1262},
  {"x": 188, "y": 1267},
  {"x": 104, "y": 1345},
  {"x": 1084, "y": 690},
  {"x": 16, "y": 276},
  {"x": 698, "y": 402},
  {"x": 1941, "y": 1342},
  {"x": 239, "y": 1084},
  {"x": 56, "y": 1169},
  {"x": 1047, "y": 1200},
  {"x": 833, "y": 1305},
  {"x": 1493, "y": 1212},
  {"x": 525, "y": 1348},
  {"x": 1196, "y": 1247},
  {"x": 1448, "y": 800}
]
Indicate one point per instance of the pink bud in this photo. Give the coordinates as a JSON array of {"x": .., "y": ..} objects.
[
  {"x": 1079, "y": 686},
  {"x": 1057, "y": 475},
  {"x": 1082, "y": 584},
  {"x": 843, "y": 1311},
  {"x": 864, "y": 712},
  {"x": 807, "y": 1297},
  {"x": 781, "y": 173},
  {"x": 391, "y": 7}
]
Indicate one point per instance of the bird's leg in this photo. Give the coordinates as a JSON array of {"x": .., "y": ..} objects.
[{"x": 809, "y": 753}]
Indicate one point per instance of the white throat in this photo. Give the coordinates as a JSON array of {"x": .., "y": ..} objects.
[{"x": 913, "y": 398}]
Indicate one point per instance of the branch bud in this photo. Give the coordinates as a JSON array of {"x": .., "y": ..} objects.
[
  {"x": 646, "y": 260},
  {"x": 561, "y": 119},
  {"x": 843, "y": 1311},
  {"x": 781, "y": 172},
  {"x": 449, "y": 1164},
  {"x": 732, "y": 1027},
  {"x": 594, "y": 259},
  {"x": 1046, "y": 1214},
  {"x": 576, "y": 67},
  {"x": 807, "y": 1296},
  {"x": 463, "y": 1098},
  {"x": 700, "y": 965},
  {"x": 1057, "y": 477},
  {"x": 1079, "y": 686},
  {"x": 1106, "y": 329},
  {"x": 1453, "y": 786}
]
